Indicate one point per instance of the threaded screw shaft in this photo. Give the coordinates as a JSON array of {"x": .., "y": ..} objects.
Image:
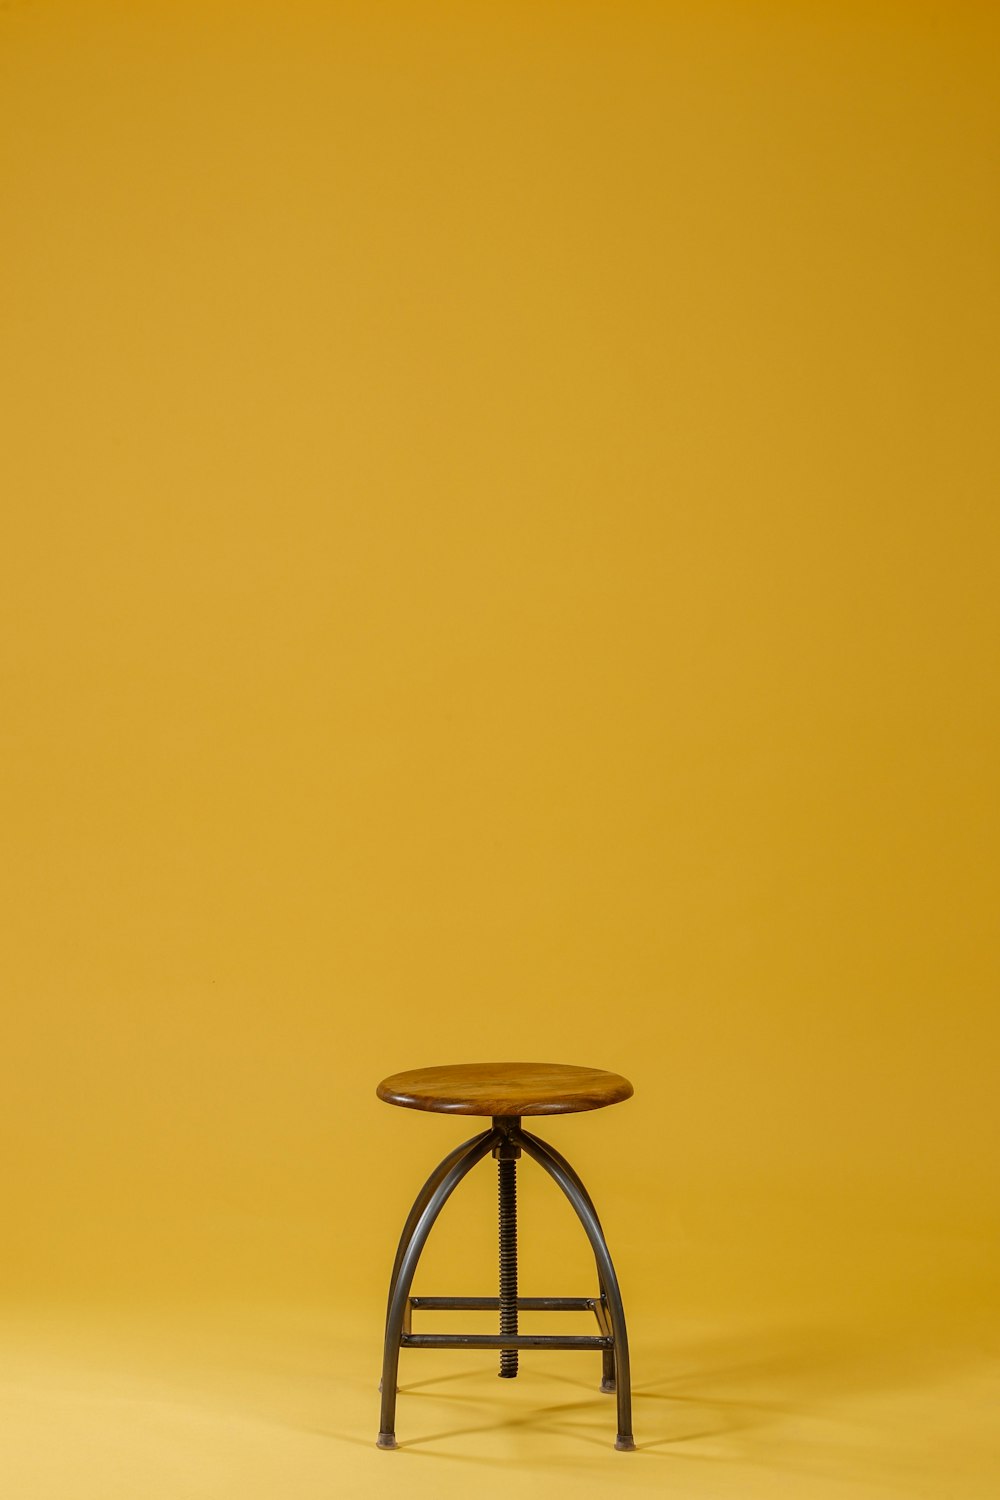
[{"x": 507, "y": 1185}]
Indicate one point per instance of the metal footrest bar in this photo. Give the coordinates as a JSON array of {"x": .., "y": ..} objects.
[
  {"x": 491, "y": 1304},
  {"x": 505, "y": 1341}
]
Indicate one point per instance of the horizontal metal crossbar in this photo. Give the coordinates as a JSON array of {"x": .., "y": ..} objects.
[
  {"x": 491, "y": 1304},
  {"x": 504, "y": 1341}
]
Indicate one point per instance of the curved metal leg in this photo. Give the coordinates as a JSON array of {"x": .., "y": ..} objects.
[
  {"x": 446, "y": 1178},
  {"x": 608, "y": 1383},
  {"x": 570, "y": 1171},
  {"x": 567, "y": 1179},
  {"x": 419, "y": 1204},
  {"x": 421, "y": 1201}
]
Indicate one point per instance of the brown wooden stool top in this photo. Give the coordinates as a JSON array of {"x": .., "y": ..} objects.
[{"x": 506, "y": 1088}]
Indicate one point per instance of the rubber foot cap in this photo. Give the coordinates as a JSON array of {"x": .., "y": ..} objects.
[
  {"x": 625, "y": 1444},
  {"x": 386, "y": 1440},
  {"x": 608, "y": 1387}
]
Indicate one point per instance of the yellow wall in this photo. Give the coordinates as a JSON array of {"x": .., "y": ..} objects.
[{"x": 500, "y": 511}]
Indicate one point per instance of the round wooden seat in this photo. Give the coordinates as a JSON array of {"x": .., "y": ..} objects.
[{"x": 507, "y": 1088}]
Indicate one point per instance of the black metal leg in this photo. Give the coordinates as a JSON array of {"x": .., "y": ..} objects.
[
  {"x": 445, "y": 1178},
  {"x": 570, "y": 1183},
  {"x": 608, "y": 1355},
  {"x": 421, "y": 1201},
  {"x": 609, "y": 1381}
]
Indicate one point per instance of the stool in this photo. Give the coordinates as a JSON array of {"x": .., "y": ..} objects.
[{"x": 506, "y": 1092}]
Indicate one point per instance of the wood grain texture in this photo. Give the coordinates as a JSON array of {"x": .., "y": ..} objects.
[{"x": 506, "y": 1088}]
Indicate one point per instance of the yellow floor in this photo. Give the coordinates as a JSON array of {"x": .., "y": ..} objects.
[{"x": 271, "y": 1403}]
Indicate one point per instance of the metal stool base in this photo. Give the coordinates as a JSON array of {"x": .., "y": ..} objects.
[{"x": 506, "y": 1139}]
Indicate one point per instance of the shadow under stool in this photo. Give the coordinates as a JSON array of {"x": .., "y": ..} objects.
[{"x": 506, "y": 1092}]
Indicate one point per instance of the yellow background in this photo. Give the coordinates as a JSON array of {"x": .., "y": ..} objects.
[{"x": 499, "y": 559}]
